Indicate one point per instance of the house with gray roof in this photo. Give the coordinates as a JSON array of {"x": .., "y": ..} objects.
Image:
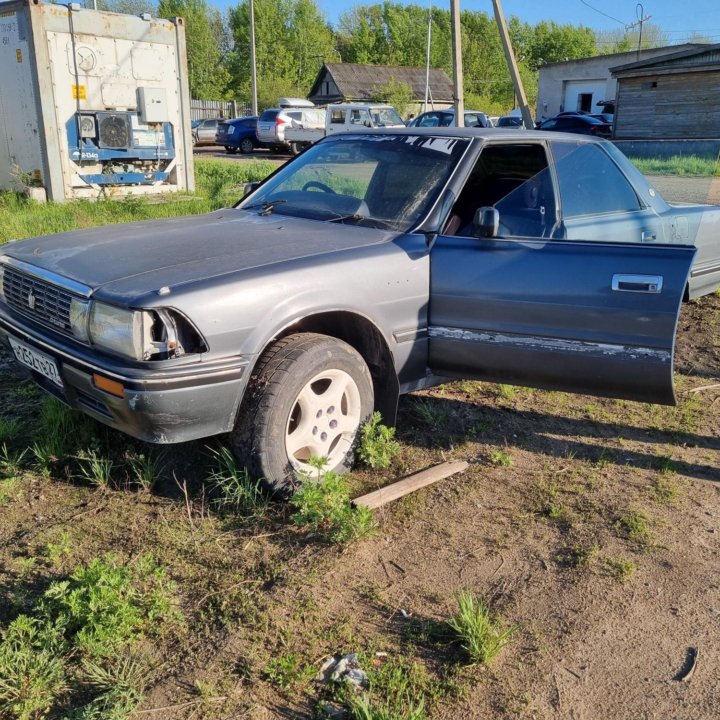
[{"x": 351, "y": 82}]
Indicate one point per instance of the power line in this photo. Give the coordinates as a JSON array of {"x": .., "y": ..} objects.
[{"x": 601, "y": 12}]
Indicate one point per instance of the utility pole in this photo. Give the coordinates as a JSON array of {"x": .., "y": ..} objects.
[
  {"x": 457, "y": 63},
  {"x": 512, "y": 65},
  {"x": 253, "y": 64},
  {"x": 641, "y": 19},
  {"x": 427, "y": 60}
]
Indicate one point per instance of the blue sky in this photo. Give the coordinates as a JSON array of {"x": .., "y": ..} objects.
[{"x": 677, "y": 19}]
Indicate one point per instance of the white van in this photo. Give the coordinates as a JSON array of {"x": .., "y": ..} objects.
[{"x": 273, "y": 122}]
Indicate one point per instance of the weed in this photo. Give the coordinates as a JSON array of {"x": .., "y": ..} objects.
[
  {"x": 233, "y": 486},
  {"x": 96, "y": 469},
  {"x": 500, "y": 458},
  {"x": 324, "y": 507},
  {"x": 377, "y": 447},
  {"x": 45, "y": 458},
  {"x": 11, "y": 463},
  {"x": 620, "y": 568},
  {"x": 147, "y": 469},
  {"x": 665, "y": 489},
  {"x": 60, "y": 550},
  {"x": 578, "y": 555},
  {"x": 397, "y": 692},
  {"x": 118, "y": 686},
  {"x": 481, "y": 635},
  {"x": 286, "y": 670},
  {"x": 9, "y": 429},
  {"x": 507, "y": 392},
  {"x": 635, "y": 524},
  {"x": 81, "y": 630},
  {"x": 32, "y": 674},
  {"x": 429, "y": 412},
  {"x": 480, "y": 427}
]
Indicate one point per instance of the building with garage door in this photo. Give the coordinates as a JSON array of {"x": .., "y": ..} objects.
[
  {"x": 673, "y": 96},
  {"x": 583, "y": 84}
]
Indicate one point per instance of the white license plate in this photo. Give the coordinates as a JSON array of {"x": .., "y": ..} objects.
[{"x": 35, "y": 360}]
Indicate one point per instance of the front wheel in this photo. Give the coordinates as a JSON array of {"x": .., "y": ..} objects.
[
  {"x": 308, "y": 397},
  {"x": 246, "y": 146}
]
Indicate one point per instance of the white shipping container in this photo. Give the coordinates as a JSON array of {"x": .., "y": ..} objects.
[{"x": 92, "y": 103}]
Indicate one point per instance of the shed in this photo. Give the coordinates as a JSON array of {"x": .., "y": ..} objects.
[
  {"x": 583, "y": 83},
  {"x": 676, "y": 95},
  {"x": 351, "y": 82}
]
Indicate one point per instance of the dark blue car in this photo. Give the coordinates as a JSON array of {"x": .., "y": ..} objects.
[{"x": 238, "y": 134}]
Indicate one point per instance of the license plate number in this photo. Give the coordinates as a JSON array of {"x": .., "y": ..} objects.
[{"x": 36, "y": 360}]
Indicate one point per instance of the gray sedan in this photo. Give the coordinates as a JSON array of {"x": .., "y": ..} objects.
[{"x": 372, "y": 265}]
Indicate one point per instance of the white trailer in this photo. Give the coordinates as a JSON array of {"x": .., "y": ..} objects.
[
  {"x": 343, "y": 117},
  {"x": 92, "y": 103}
]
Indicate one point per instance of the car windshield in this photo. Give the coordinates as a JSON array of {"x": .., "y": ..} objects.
[
  {"x": 384, "y": 181},
  {"x": 387, "y": 117}
]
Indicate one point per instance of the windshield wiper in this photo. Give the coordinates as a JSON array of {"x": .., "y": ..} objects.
[
  {"x": 266, "y": 207},
  {"x": 343, "y": 218}
]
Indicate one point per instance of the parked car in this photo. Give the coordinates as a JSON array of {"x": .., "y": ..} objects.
[
  {"x": 373, "y": 264},
  {"x": 446, "y": 118},
  {"x": 204, "y": 132},
  {"x": 238, "y": 134},
  {"x": 577, "y": 123},
  {"x": 510, "y": 121},
  {"x": 273, "y": 122}
]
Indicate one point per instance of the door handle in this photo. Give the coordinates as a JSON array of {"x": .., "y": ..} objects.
[
  {"x": 637, "y": 283},
  {"x": 648, "y": 236}
]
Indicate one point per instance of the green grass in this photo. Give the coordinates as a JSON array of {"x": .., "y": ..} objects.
[
  {"x": 678, "y": 165},
  {"x": 71, "y": 655},
  {"x": 377, "y": 447},
  {"x": 218, "y": 184},
  {"x": 324, "y": 507},
  {"x": 233, "y": 487},
  {"x": 481, "y": 634}
]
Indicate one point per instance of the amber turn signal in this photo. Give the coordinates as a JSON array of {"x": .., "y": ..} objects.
[{"x": 109, "y": 386}]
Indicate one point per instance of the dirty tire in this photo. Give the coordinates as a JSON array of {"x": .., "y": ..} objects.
[
  {"x": 246, "y": 146},
  {"x": 308, "y": 396}
]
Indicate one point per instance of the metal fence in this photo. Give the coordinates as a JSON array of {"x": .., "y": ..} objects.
[{"x": 201, "y": 109}]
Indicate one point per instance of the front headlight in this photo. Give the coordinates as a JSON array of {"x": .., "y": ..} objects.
[{"x": 125, "y": 332}]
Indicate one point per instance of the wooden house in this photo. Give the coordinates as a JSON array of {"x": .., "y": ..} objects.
[
  {"x": 673, "y": 96},
  {"x": 351, "y": 82}
]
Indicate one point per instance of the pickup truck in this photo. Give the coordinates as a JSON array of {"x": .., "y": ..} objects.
[
  {"x": 373, "y": 264},
  {"x": 344, "y": 117}
]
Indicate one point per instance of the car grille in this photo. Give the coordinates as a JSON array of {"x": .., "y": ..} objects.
[{"x": 38, "y": 299}]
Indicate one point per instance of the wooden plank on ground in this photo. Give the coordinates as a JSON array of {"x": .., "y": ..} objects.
[{"x": 410, "y": 484}]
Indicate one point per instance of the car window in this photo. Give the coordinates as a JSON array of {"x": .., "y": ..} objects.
[
  {"x": 429, "y": 120},
  {"x": 515, "y": 180},
  {"x": 590, "y": 182},
  {"x": 372, "y": 180},
  {"x": 269, "y": 115}
]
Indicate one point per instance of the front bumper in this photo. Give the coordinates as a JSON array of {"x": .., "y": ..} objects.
[{"x": 170, "y": 402}]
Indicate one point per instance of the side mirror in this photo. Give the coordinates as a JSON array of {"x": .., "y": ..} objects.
[
  {"x": 249, "y": 187},
  {"x": 486, "y": 222}
]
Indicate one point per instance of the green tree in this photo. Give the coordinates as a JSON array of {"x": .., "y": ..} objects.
[
  {"x": 292, "y": 40},
  {"x": 208, "y": 76}
]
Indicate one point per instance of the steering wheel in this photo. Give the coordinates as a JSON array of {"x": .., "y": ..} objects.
[{"x": 319, "y": 185}]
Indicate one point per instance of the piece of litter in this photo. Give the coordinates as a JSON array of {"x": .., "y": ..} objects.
[
  {"x": 344, "y": 669},
  {"x": 405, "y": 613}
]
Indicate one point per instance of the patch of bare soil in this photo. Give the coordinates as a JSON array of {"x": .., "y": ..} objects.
[{"x": 591, "y": 526}]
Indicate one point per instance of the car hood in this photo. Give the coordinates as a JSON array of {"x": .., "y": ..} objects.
[{"x": 137, "y": 258}]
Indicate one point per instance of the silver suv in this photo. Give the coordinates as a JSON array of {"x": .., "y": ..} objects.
[{"x": 273, "y": 122}]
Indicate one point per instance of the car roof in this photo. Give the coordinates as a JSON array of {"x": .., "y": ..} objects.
[{"x": 511, "y": 134}]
